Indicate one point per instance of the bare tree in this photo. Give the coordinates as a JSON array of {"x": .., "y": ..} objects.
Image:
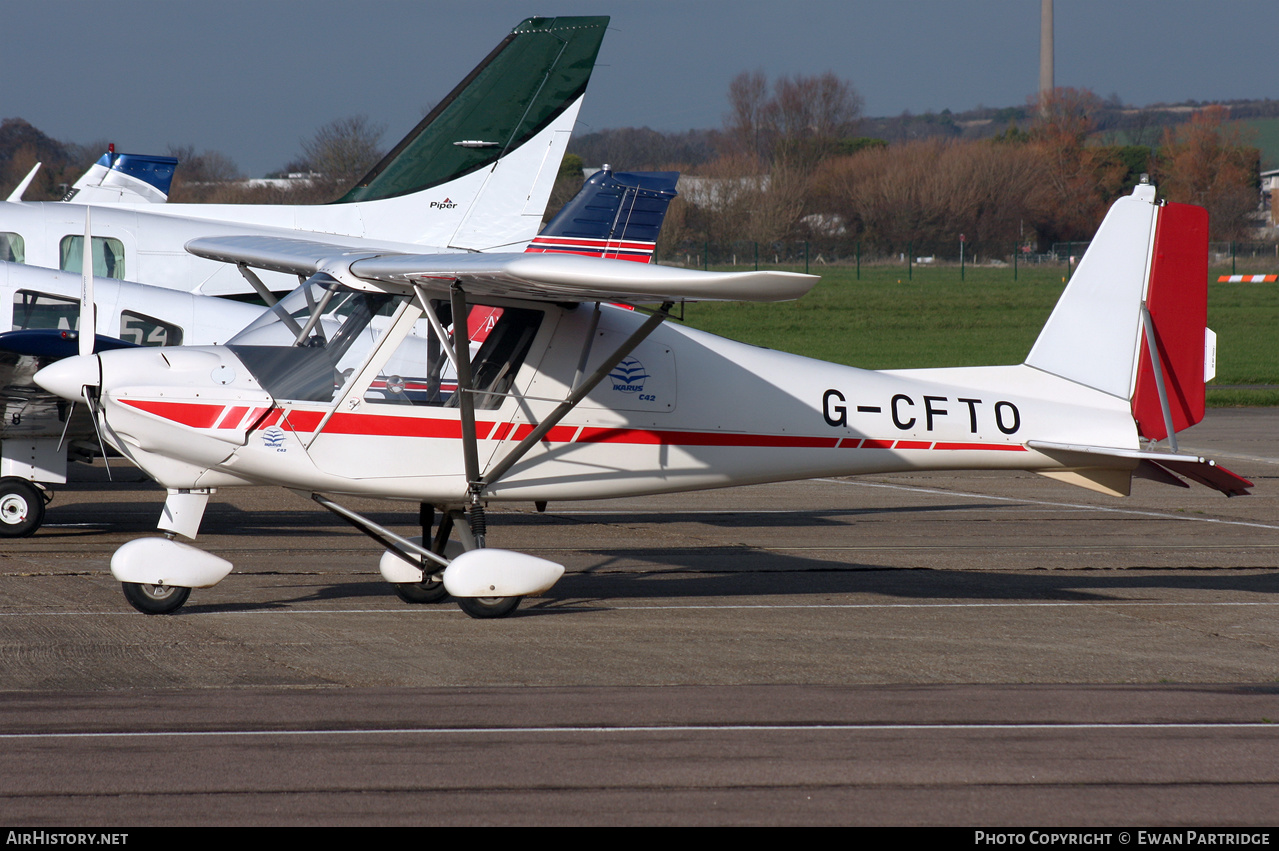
[
  {"x": 924, "y": 194},
  {"x": 809, "y": 116},
  {"x": 1082, "y": 180},
  {"x": 748, "y": 104},
  {"x": 202, "y": 178},
  {"x": 803, "y": 119},
  {"x": 344, "y": 150}
]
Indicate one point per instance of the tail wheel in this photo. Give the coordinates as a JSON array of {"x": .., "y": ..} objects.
[
  {"x": 489, "y": 607},
  {"x": 21, "y": 508},
  {"x": 155, "y": 599}
]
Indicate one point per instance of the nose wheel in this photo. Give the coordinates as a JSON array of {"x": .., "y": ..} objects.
[{"x": 155, "y": 599}]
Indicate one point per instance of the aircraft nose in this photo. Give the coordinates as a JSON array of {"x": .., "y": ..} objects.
[{"x": 68, "y": 377}]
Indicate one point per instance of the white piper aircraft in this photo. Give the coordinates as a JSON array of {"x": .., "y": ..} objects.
[
  {"x": 474, "y": 175},
  {"x": 570, "y": 397}
]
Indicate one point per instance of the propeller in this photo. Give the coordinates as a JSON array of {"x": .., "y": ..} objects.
[
  {"x": 88, "y": 330},
  {"x": 88, "y": 324}
]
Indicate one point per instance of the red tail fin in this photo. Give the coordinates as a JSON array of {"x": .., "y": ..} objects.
[{"x": 1177, "y": 299}]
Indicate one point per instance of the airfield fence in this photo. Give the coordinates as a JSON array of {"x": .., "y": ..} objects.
[{"x": 814, "y": 254}]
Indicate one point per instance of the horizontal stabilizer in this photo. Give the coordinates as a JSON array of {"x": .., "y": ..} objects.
[
  {"x": 1194, "y": 467},
  {"x": 541, "y": 277},
  {"x": 1208, "y": 474}
]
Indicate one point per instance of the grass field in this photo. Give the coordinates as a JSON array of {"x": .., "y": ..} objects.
[{"x": 887, "y": 320}]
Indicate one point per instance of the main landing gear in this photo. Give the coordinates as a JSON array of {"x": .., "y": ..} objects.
[
  {"x": 155, "y": 599},
  {"x": 431, "y": 589},
  {"x": 486, "y": 582},
  {"x": 21, "y": 507},
  {"x": 157, "y": 574}
]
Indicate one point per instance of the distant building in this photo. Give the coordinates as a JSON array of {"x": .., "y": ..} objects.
[{"x": 1269, "y": 183}]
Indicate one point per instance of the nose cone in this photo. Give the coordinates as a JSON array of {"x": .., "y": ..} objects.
[{"x": 68, "y": 377}]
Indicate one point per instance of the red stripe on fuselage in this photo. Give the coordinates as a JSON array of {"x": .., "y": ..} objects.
[
  {"x": 183, "y": 413},
  {"x": 389, "y": 425}
]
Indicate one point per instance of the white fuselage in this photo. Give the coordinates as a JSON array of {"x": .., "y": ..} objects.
[
  {"x": 685, "y": 410},
  {"x": 199, "y": 320}
]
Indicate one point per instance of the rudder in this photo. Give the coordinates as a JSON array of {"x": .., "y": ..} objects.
[{"x": 1177, "y": 301}]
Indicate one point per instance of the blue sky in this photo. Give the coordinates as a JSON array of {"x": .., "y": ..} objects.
[{"x": 251, "y": 79}]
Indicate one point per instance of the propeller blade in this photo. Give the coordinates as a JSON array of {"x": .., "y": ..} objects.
[
  {"x": 88, "y": 327},
  {"x": 91, "y": 400}
]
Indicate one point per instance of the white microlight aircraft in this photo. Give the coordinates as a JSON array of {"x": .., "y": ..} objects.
[
  {"x": 474, "y": 175},
  {"x": 572, "y": 398}
]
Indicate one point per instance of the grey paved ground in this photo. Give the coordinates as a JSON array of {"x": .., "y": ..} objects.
[{"x": 898, "y": 649}]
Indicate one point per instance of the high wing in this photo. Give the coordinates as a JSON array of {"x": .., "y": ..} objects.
[{"x": 540, "y": 277}]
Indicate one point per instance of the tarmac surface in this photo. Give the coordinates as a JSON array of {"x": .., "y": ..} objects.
[{"x": 956, "y": 649}]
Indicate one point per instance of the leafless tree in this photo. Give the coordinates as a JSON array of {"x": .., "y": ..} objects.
[
  {"x": 748, "y": 104},
  {"x": 344, "y": 150},
  {"x": 202, "y": 177},
  {"x": 802, "y": 120}
]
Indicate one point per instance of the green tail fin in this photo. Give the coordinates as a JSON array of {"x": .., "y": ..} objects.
[{"x": 536, "y": 73}]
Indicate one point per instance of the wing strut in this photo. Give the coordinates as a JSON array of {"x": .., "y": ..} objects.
[
  {"x": 1149, "y": 325},
  {"x": 258, "y": 287},
  {"x": 579, "y": 393},
  {"x": 402, "y": 547},
  {"x": 466, "y": 398},
  {"x": 476, "y": 484}
]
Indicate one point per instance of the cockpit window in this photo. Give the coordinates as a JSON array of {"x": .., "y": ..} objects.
[
  {"x": 420, "y": 372},
  {"x": 307, "y": 348},
  {"x": 312, "y": 343}
]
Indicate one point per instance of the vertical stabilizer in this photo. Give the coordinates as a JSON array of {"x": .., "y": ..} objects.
[
  {"x": 538, "y": 72},
  {"x": 1092, "y": 335},
  {"x": 1144, "y": 279},
  {"x": 617, "y": 215},
  {"x": 124, "y": 179}
]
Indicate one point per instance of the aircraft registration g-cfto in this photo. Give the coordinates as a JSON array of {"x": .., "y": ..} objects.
[
  {"x": 474, "y": 175},
  {"x": 572, "y": 397}
]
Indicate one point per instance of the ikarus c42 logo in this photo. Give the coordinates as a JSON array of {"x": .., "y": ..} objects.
[
  {"x": 273, "y": 438},
  {"x": 629, "y": 376}
]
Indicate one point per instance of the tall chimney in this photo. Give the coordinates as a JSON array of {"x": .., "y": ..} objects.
[{"x": 1045, "y": 51}]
